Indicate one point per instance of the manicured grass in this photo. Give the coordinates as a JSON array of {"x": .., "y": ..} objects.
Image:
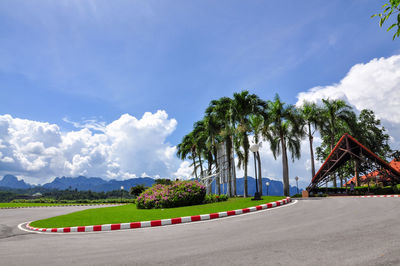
[
  {"x": 14, "y": 205},
  {"x": 129, "y": 213}
]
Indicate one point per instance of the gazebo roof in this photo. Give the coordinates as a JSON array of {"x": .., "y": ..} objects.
[{"x": 346, "y": 149}]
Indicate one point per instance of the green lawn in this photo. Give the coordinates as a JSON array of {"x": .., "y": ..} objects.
[
  {"x": 129, "y": 213},
  {"x": 14, "y": 205}
]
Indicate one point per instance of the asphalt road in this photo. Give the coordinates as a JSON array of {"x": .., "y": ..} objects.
[{"x": 329, "y": 231}]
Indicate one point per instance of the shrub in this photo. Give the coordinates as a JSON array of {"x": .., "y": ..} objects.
[
  {"x": 215, "y": 198},
  {"x": 384, "y": 190},
  {"x": 180, "y": 193},
  {"x": 396, "y": 189},
  {"x": 163, "y": 181},
  {"x": 137, "y": 190}
]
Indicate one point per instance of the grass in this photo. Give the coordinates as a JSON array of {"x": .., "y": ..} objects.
[
  {"x": 15, "y": 205},
  {"x": 129, "y": 213}
]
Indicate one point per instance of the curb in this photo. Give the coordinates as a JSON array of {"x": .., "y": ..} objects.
[
  {"x": 381, "y": 196},
  {"x": 134, "y": 225},
  {"x": 69, "y": 205}
]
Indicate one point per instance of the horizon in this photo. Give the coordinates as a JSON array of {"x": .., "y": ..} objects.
[{"x": 110, "y": 90}]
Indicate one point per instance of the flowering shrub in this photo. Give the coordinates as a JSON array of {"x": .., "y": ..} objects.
[
  {"x": 180, "y": 193},
  {"x": 215, "y": 198}
]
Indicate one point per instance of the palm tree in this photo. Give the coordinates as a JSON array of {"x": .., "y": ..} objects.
[
  {"x": 200, "y": 137},
  {"x": 310, "y": 121},
  {"x": 186, "y": 149},
  {"x": 213, "y": 128},
  {"x": 334, "y": 112},
  {"x": 244, "y": 105},
  {"x": 283, "y": 133},
  {"x": 221, "y": 109},
  {"x": 256, "y": 123}
]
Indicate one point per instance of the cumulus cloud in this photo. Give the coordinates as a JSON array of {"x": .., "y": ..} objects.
[
  {"x": 124, "y": 148},
  {"x": 374, "y": 85},
  {"x": 184, "y": 171}
]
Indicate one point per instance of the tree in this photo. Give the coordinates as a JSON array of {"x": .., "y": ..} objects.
[
  {"x": 137, "y": 190},
  {"x": 283, "y": 133},
  {"x": 243, "y": 105},
  {"x": 256, "y": 123},
  {"x": 163, "y": 181},
  {"x": 368, "y": 131},
  {"x": 187, "y": 150},
  {"x": 221, "y": 109},
  {"x": 310, "y": 121},
  {"x": 200, "y": 137},
  {"x": 392, "y": 7},
  {"x": 334, "y": 113},
  {"x": 213, "y": 127}
]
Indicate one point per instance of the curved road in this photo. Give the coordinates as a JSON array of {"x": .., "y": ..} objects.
[{"x": 328, "y": 231}]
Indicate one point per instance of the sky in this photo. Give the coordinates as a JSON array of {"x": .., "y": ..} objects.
[{"x": 108, "y": 89}]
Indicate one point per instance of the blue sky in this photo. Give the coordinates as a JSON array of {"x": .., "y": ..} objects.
[{"x": 97, "y": 60}]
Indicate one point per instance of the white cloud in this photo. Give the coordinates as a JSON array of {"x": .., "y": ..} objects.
[
  {"x": 124, "y": 148},
  {"x": 374, "y": 85},
  {"x": 184, "y": 171}
]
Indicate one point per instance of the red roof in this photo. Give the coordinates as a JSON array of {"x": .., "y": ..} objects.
[{"x": 395, "y": 164}]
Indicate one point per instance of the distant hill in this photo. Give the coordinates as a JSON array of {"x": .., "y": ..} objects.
[
  {"x": 80, "y": 183},
  {"x": 13, "y": 182},
  {"x": 98, "y": 184},
  {"x": 275, "y": 187}
]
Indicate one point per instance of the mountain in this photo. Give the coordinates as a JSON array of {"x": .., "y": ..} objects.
[
  {"x": 116, "y": 184},
  {"x": 96, "y": 184},
  {"x": 275, "y": 187},
  {"x": 80, "y": 183},
  {"x": 12, "y": 182}
]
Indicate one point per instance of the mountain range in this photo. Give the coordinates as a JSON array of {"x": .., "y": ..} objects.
[{"x": 98, "y": 184}]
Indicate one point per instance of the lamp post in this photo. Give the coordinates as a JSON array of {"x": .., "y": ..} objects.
[
  {"x": 254, "y": 149},
  {"x": 122, "y": 191},
  {"x": 297, "y": 184},
  {"x": 267, "y": 184}
]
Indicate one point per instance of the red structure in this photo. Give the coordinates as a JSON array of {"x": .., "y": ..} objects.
[
  {"x": 348, "y": 148},
  {"x": 376, "y": 175}
]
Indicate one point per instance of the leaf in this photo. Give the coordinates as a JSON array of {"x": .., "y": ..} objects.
[{"x": 391, "y": 27}]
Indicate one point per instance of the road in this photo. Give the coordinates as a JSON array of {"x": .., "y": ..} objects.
[{"x": 327, "y": 231}]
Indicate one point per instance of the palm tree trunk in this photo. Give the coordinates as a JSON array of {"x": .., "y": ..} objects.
[
  {"x": 245, "y": 162},
  {"x": 201, "y": 166},
  {"x": 234, "y": 171},
  {"x": 234, "y": 177},
  {"x": 356, "y": 173},
  {"x": 334, "y": 175},
  {"x": 259, "y": 173},
  {"x": 310, "y": 138},
  {"x": 228, "y": 152},
  {"x": 209, "y": 183},
  {"x": 245, "y": 193},
  {"x": 285, "y": 167},
  {"x": 341, "y": 180},
  {"x": 217, "y": 179},
  {"x": 194, "y": 167}
]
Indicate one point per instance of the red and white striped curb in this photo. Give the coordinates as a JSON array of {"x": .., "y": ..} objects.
[
  {"x": 187, "y": 219},
  {"x": 381, "y": 196}
]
